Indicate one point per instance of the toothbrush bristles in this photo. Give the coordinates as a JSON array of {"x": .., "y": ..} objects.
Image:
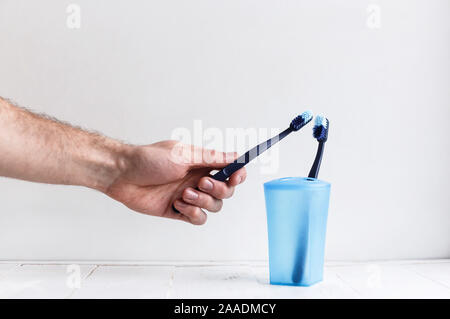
[
  {"x": 301, "y": 120},
  {"x": 320, "y": 129}
]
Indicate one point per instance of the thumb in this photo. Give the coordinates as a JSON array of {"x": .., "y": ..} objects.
[
  {"x": 197, "y": 157},
  {"x": 203, "y": 157}
]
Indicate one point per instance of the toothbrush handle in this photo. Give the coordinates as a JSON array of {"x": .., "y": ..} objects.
[
  {"x": 244, "y": 159},
  {"x": 249, "y": 156},
  {"x": 314, "y": 172},
  {"x": 228, "y": 171}
]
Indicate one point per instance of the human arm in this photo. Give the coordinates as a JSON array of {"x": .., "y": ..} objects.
[{"x": 147, "y": 179}]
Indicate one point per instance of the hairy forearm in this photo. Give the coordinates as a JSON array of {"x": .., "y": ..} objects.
[{"x": 37, "y": 148}]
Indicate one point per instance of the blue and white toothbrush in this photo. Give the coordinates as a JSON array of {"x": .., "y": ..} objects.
[{"x": 320, "y": 133}]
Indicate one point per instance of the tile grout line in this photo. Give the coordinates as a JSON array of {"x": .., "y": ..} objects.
[
  {"x": 360, "y": 295},
  {"x": 91, "y": 272},
  {"x": 428, "y": 278}
]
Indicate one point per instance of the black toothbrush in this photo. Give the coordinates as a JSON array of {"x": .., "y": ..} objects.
[
  {"x": 296, "y": 124},
  {"x": 320, "y": 133}
]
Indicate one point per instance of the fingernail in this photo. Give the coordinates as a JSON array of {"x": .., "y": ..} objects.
[
  {"x": 190, "y": 194},
  {"x": 206, "y": 185},
  {"x": 239, "y": 180}
]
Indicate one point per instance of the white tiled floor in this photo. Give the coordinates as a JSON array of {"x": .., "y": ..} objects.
[{"x": 402, "y": 279}]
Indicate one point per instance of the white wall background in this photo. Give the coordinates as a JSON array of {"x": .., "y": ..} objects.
[{"x": 138, "y": 69}]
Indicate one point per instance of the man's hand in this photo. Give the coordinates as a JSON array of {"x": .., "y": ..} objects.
[
  {"x": 155, "y": 177},
  {"x": 148, "y": 179}
]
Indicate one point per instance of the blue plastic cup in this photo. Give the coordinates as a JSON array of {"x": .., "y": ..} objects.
[{"x": 297, "y": 210}]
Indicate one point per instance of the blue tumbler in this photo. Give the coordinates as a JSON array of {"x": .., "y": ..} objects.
[{"x": 297, "y": 210}]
